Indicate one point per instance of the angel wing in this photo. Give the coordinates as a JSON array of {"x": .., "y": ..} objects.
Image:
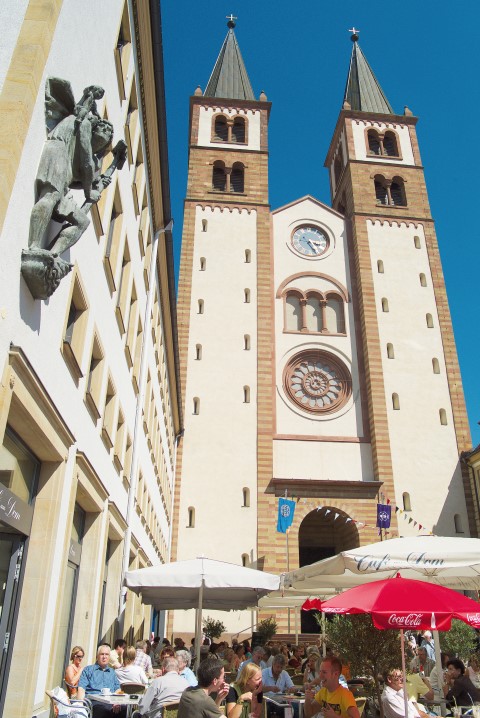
[{"x": 59, "y": 101}]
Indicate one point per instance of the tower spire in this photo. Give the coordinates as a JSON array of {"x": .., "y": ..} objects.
[
  {"x": 229, "y": 78},
  {"x": 363, "y": 91}
]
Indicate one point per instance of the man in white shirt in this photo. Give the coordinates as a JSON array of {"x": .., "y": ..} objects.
[
  {"x": 275, "y": 679},
  {"x": 393, "y": 699},
  {"x": 166, "y": 689}
]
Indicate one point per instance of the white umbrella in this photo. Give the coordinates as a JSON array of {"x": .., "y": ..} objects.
[{"x": 200, "y": 583}]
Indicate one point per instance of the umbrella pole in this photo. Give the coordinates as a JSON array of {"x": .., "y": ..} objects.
[
  {"x": 198, "y": 631},
  {"x": 404, "y": 671}
]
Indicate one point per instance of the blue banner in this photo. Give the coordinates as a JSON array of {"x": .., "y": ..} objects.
[
  {"x": 286, "y": 511},
  {"x": 384, "y": 514}
]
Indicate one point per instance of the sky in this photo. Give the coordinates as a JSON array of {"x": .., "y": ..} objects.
[{"x": 423, "y": 53}]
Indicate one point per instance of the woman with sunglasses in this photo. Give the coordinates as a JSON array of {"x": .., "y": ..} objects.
[{"x": 74, "y": 670}]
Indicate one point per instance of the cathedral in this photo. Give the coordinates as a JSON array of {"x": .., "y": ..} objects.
[{"x": 317, "y": 355}]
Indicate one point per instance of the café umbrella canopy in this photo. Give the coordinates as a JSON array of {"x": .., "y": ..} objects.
[
  {"x": 404, "y": 603},
  {"x": 200, "y": 583}
]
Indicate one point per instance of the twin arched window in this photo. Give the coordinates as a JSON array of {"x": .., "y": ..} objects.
[
  {"x": 390, "y": 192},
  {"x": 383, "y": 143},
  {"x": 314, "y": 312},
  {"x": 228, "y": 179},
  {"x": 229, "y": 130}
]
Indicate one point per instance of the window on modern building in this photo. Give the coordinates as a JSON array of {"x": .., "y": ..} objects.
[
  {"x": 335, "y": 314},
  {"x": 293, "y": 313},
  {"x": 374, "y": 142},
  {"x": 246, "y": 395},
  {"x": 457, "y": 520},
  {"x": 390, "y": 147},
  {"x": 381, "y": 193},
  {"x": 313, "y": 312},
  {"x": 123, "y": 51},
  {"x": 124, "y": 288},
  {"x": 76, "y": 325},
  {"x": 248, "y": 256},
  {"x": 119, "y": 445},
  {"x": 380, "y": 267},
  {"x": 93, "y": 392},
  {"x": 20, "y": 469},
  {"x": 246, "y": 296},
  {"x": 397, "y": 192},
  {"x": 203, "y": 264},
  {"x": 407, "y": 504},
  {"x": 114, "y": 238},
  {"x": 385, "y": 307},
  {"x": 246, "y": 342},
  {"x": 443, "y": 417},
  {"x": 246, "y": 497},
  {"x": 196, "y": 405},
  {"x": 131, "y": 122},
  {"x": 238, "y": 130},
  {"x": 137, "y": 355},
  {"x": 423, "y": 280},
  {"x": 201, "y": 306},
  {"x": 132, "y": 326},
  {"x": 429, "y": 320},
  {"x": 220, "y": 129},
  {"x": 198, "y": 352},
  {"x": 109, "y": 415},
  {"x": 128, "y": 460},
  {"x": 390, "y": 351},
  {"x": 138, "y": 184},
  {"x": 191, "y": 518},
  {"x": 237, "y": 178},
  {"x": 395, "y": 402},
  {"x": 416, "y": 242},
  {"x": 219, "y": 177},
  {"x": 204, "y": 225},
  {"x": 245, "y": 560},
  {"x": 435, "y": 366}
]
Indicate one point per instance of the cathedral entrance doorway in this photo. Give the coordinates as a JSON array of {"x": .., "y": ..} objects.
[{"x": 322, "y": 534}]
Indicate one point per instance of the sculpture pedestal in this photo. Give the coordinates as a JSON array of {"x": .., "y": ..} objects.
[{"x": 43, "y": 271}]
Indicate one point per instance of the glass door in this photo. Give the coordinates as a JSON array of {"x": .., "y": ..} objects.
[{"x": 11, "y": 554}]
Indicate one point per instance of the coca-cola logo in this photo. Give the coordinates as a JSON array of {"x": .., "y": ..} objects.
[
  {"x": 473, "y": 617},
  {"x": 412, "y": 619},
  {"x": 334, "y": 610}
]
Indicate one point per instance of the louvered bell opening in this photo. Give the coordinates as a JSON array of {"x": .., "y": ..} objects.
[
  {"x": 390, "y": 146},
  {"x": 238, "y": 131},
  {"x": 381, "y": 193},
  {"x": 397, "y": 195},
  {"x": 236, "y": 179},
  {"x": 221, "y": 130},
  {"x": 373, "y": 144},
  {"x": 219, "y": 179},
  {"x": 337, "y": 170}
]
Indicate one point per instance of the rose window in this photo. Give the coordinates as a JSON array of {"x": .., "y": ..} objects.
[{"x": 317, "y": 381}]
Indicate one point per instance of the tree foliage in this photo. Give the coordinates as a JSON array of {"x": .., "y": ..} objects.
[
  {"x": 267, "y": 628},
  {"x": 213, "y": 628},
  {"x": 460, "y": 640}
]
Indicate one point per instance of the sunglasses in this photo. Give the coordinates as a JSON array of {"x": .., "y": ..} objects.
[{"x": 78, "y": 655}]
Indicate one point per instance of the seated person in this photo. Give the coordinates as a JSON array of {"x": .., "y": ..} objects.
[
  {"x": 473, "y": 670},
  {"x": 437, "y": 674},
  {"x": 310, "y": 673},
  {"x": 168, "y": 688},
  {"x": 116, "y": 654},
  {"x": 422, "y": 663},
  {"x": 94, "y": 678},
  {"x": 129, "y": 672},
  {"x": 245, "y": 695},
  {"x": 184, "y": 658},
  {"x": 419, "y": 687},
  {"x": 296, "y": 659},
  {"x": 198, "y": 702},
  {"x": 332, "y": 699},
  {"x": 74, "y": 670},
  {"x": 142, "y": 659},
  {"x": 393, "y": 697},
  {"x": 275, "y": 679},
  {"x": 458, "y": 687}
]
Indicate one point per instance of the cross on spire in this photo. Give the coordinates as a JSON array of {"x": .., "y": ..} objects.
[
  {"x": 355, "y": 33},
  {"x": 231, "y": 21}
]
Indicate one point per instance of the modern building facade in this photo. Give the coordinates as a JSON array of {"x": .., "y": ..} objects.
[
  {"x": 316, "y": 348},
  {"x": 89, "y": 403}
]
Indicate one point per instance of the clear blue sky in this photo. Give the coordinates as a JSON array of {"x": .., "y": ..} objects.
[{"x": 424, "y": 54}]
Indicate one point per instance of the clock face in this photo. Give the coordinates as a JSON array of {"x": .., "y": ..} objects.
[{"x": 310, "y": 241}]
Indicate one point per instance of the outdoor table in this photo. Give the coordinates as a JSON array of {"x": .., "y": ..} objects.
[
  {"x": 283, "y": 701},
  {"x": 441, "y": 702},
  {"x": 121, "y": 699}
]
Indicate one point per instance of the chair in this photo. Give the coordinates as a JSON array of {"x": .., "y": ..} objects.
[
  {"x": 63, "y": 707},
  {"x": 361, "y": 704},
  {"x": 170, "y": 710},
  {"x": 297, "y": 679},
  {"x": 131, "y": 688}
]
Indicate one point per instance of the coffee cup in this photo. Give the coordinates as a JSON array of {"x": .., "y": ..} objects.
[{"x": 105, "y": 691}]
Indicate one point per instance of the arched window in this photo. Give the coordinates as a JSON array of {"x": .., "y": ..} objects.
[
  {"x": 203, "y": 264},
  {"x": 191, "y": 518},
  {"x": 201, "y": 306},
  {"x": 416, "y": 241},
  {"x": 246, "y": 342},
  {"x": 407, "y": 505},
  {"x": 397, "y": 192},
  {"x": 238, "y": 130},
  {"x": 381, "y": 193},
  {"x": 204, "y": 225},
  {"x": 337, "y": 168},
  {"x": 221, "y": 129},
  {"x": 380, "y": 268},
  {"x": 435, "y": 366},
  {"x": 390, "y": 351},
  {"x": 219, "y": 177},
  {"x": 198, "y": 352},
  {"x": 423, "y": 280},
  {"x": 457, "y": 520},
  {"x": 237, "y": 178},
  {"x": 334, "y": 314},
  {"x": 293, "y": 313},
  {"x": 395, "y": 402},
  {"x": 390, "y": 147},
  {"x": 313, "y": 312},
  {"x": 245, "y": 559},
  {"x": 246, "y": 395},
  {"x": 248, "y": 256},
  {"x": 385, "y": 307},
  {"x": 246, "y": 295},
  {"x": 443, "y": 417},
  {"x": 246, "y": 497},
  {"x": 429, "y": 320},
  {"x": 373, "y": 142},
  {"x": 196, "y": 405}
]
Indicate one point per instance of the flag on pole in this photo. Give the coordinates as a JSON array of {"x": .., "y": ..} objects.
[
  {"x": 286, "y": 510},
  {"x": 384, "y": 513}
]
